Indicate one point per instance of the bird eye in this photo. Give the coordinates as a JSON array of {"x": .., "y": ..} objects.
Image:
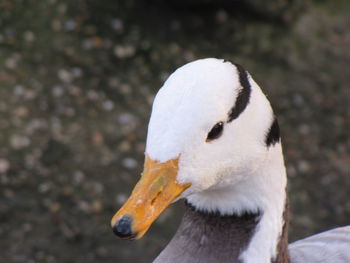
[{"x": 215, "y": 132}]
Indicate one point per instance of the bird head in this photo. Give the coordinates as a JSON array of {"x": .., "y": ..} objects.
[{"x": 208, "y": 128}]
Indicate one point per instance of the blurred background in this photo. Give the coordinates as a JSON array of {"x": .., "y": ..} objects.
[{"x": 77, "y": 81}]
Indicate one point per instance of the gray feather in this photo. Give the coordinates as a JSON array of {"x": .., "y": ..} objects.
[
  {"x": 332, "y": 246},
  {"x": 209, "y": 238}
]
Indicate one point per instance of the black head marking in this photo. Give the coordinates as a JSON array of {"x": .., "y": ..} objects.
[
  {"x": 243, "y": 95},
  {"x": 273, "y": 136}
]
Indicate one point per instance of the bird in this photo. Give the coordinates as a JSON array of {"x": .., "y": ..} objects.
[{"x": 214, "y": 140}]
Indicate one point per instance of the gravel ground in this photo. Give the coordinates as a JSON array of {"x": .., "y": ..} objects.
[{"x": 77, "y": 80}]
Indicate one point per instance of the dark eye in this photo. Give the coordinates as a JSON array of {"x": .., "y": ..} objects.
[{"x": 216, "y": 131}]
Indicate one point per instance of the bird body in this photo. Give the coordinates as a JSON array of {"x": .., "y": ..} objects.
[
  {"x": 214, "y": 140},
  {"x": 332, "y": 246}
]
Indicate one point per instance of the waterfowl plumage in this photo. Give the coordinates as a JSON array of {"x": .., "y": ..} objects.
[{"x": 213, "y": 140}]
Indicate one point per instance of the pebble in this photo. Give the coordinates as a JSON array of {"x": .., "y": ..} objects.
[
  {"x": 18, "y": 90},
  {"x": 113, "y": 82},
  {"x": 55, "y": 207},
  {"x": 56, "y": 25},
  {"x": 108, "y": 105},
  {"x": 65, "y": 75},
  {"x": 21, "y": 112},
  {"x": 117, "y": 24},
  {"x": 77, "y": 72},
  {"x": 84, "y": 206},
  {"x": 92, "y": 95},
  {"x": 303, "y": 166},
  {"x": 124, "y": 51},
  {"x": 121, "y": 198},
  {"x": 222, "y": 16},
  {"x": 70, "y": 25},
  {"x": 126, "y": 118},
  {"x": 9, "y": 194},
  {"x": 129, "y": 163},
  {"x": 96, "y": 206},
  {"x": 29, "y": 36},
  {"x": 102, "y": 251},
  {"x": 124, "y": 146},
  {"x": 78, "y": 177},
  {"x": 44, "y": 187},
  {"x": 4, "y": 165},
  {"x": 19, "y": 141},
  {"x": 97, "y": 138},
  {"x": 57, "y": 91},
  {"x": 11, "y": 63}
]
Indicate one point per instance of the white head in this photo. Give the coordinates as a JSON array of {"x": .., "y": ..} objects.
[
  {"x": 213, "y": 139},
  {"x": 192, "y": 101}
]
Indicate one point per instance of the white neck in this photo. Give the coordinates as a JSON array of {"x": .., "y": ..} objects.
[{"x": 263, "y": 191}]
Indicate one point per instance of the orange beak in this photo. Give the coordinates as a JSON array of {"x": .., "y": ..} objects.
[{"x": 156, "y": 190}]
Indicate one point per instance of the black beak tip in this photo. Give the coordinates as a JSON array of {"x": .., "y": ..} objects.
[{"x": 123, "y": 228}]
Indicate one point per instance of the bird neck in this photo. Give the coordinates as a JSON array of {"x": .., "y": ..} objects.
[
  {"x": 246, "y": 222},
  {"x": 209, "y": 237},
  {"x": 268, "y": 190}
]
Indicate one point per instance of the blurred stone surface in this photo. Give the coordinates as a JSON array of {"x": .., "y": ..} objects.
[{"x": 76, "y": 88}]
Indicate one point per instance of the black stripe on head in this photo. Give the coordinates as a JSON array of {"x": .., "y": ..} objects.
[
  {"x": 243, "y": 95},
  {"x": 273, "y": 136}
]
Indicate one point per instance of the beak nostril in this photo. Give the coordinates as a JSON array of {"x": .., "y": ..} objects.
[
  {"x": 154, "y": 199},
  {"x": 123, "y": 229}
]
